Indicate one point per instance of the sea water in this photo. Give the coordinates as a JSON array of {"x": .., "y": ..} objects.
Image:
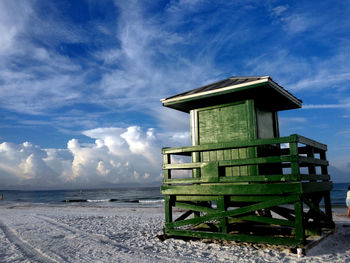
[{"x": 126, "y": 196}]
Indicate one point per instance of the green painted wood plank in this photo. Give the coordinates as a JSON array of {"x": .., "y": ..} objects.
[
  {"x": 210, "y": 172},
  {"x": 312, "y": 143},
  {"x": 182, "y": 180},
  {"x": 252, "y": 198},
  {"x": 242, "y": 238},
  {"x": 308, "y": 160},
  {"x": 232, "y": 189},
  {"x": 268, "y": 220},
  {"x": 233, "y": 179},
  {"x": 299, "y": 226},
  {"x": 229, "y": 145},
  {"x": 240, "y": 162},
  {"x": 294, "y": 152},
  {"x": 197, "y": 198},
  {"x": 260, "y": 178},
  {"x": 259, "y": 160},
  {"x": 235, "y": 212},
  {"x": 168, "y": 209},
  {"x": 166, "y": 160},
  {"x": 324, "y": 177},
  {"x": 222, "y": 206},
  {"x": 193, "y": 207},
  {"x": 182, "y": 166},
  {"x": 310, "y": 187}
]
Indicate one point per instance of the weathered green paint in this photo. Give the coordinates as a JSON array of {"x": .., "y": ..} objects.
[
  {"x": 299, "y": 232},
  {"x": 235, "y": 120},
  {"x": 268, "y": 220},
  {"x": 237, "y": 163},
  {"x": 168, "y": 209},
  {"x": 233, "y": 189},
  {"x": 193, "y": 207},
  {"x": 259, "y": 178},
  {"x": 230, "y": 145},
  {"x": 204, "y": 198},
  {"x": 210, "y": 172},
  {"x": 222, "y": 206},
  {"x": 235, "y": 212}
]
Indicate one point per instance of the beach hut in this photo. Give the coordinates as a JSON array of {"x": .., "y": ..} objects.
[{"x": 241, "y": 181}]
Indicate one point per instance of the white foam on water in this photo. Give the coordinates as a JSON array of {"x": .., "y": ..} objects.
[{"x": 98, "y": 200}]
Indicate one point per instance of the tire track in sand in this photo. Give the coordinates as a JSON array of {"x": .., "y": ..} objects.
[
  {"x": 29, "y": 251},
  {"x": 145, "y": 256}
]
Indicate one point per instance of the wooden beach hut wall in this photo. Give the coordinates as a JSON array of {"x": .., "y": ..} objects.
[{"x": 246, "y": 182}]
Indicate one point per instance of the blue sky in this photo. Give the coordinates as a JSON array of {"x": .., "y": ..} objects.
[{"x": 80, "y": 81}]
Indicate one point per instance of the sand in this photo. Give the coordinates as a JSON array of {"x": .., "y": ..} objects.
[{"x": 99, "y": 234}]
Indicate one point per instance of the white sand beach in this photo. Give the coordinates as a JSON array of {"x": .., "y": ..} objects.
[{"x": 100, "y": 234}]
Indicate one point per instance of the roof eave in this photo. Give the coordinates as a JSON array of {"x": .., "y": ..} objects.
[{"x": 214, "y": 92}]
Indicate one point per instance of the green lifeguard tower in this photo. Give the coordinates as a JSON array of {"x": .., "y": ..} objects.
[{"x": 245, "y": 182}]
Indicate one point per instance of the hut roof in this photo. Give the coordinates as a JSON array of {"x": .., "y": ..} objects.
[{"x": 260, "y": 88}]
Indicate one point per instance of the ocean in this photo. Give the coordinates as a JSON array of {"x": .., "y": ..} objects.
[{"x": 126, "y": 196}]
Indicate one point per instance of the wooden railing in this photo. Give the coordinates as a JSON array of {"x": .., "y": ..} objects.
[
  {"x": 291, "y": 153},
  {"x": 284, "y": 178}
]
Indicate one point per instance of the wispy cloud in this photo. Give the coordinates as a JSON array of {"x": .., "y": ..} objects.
[
  {"x": 71, "y": 76},
  {"x": 327, "y": 106}
]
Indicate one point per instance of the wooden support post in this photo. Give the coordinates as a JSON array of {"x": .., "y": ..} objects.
[
  {"x": 222, "y": 206},
  {"x": 311, "y": 167},
  {"x": 299, "y": 226},
  {"x": 328, "y": 209},
  {"x": 168, "y": 208}
]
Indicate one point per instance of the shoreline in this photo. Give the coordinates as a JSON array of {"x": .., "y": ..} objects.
[{"x": 130, "y": 234}]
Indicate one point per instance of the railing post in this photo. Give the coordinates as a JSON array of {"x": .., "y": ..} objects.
[
  {"x": 167, "y": 172},
  {"x": 195, "y": 159},
  {"x": 327, "y": 197},
  {"x": 293, "y": 148},
  {"x": 311, "y": 167}
]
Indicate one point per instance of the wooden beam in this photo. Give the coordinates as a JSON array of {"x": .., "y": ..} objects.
[
  {"x": 194, "y": 207},
  {"x": 312, "y": 143},
  {"x": 233, "y": 189},
  {"x": 268, "y": 220},
  {"x": 310, "y": 187},
  {"x": 235, "y": 212},
  {"x": 241, "y": 238},
  {"x": 233, "y": 179},
  {"x": 229, "y": 145}
]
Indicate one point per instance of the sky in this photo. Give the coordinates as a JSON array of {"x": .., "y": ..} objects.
[{"x": 81, "y": 81}]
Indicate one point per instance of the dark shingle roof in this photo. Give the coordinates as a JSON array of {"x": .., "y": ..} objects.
[
  {"x": 261, "y": 88},
  {"x": 217, "y": 85}
]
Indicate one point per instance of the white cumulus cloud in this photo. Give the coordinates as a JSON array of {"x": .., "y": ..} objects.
[{"x": 118, "y": 156}]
